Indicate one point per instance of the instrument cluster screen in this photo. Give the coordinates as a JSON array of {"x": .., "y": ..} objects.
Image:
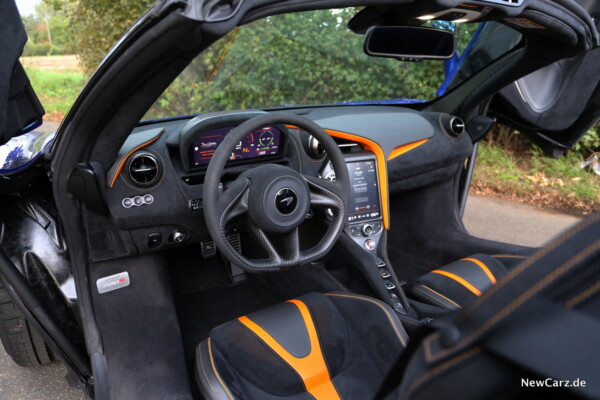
[
  {"x": 364, "y": 191},
  {"x": 264, "y": 142}
]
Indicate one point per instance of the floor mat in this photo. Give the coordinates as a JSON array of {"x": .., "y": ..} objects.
[{"x": 201, "y": 311}]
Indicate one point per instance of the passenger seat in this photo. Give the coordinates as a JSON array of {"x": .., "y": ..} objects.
[{"x": 454, "y": 285}]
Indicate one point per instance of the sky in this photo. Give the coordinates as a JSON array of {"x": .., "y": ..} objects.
[{"x": 27, "y": 7}]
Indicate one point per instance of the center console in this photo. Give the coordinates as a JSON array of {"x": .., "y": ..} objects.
[{"x": 365, "y": 234}]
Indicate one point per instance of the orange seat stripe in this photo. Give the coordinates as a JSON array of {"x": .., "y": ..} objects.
[
  {"x": 460, "y": 280},
  {"x": 484, "y": 268},
  {"x": 311, "y": 368}
]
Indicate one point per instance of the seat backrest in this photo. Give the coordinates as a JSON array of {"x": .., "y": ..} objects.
[{"x": 537, "y": 327}]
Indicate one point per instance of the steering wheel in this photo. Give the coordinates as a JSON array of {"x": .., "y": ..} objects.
[{"x": 274, "y": 200}]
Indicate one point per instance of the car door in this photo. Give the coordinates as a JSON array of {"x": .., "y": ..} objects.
[
  {"x": 20, "y": 109},
  {"x": 557, "y": 104}
]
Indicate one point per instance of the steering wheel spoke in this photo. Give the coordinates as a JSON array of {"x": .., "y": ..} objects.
[
  {"x": 265, "y": 243},
  {"x": 325, "y": 194},
  {"x": 233, "y": 201},
  {"x": 291, "y": 244}
]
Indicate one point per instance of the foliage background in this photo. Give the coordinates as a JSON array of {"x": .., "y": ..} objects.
[
  {"x": 277, "y": 61},
  {"x": 90, "y": 28}
]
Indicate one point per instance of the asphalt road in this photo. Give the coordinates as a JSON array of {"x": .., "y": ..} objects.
[
  {"x": 484, "y": 217},
  {"x": 39, "y": 383},
  {"x": 510, "y": 222}
]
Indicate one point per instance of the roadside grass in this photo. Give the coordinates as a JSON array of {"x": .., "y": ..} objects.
[
  {"x": 530, "y": 177},
  {"x": 57, "y": 90}
]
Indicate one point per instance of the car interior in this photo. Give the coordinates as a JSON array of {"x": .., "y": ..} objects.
[
  {"x": 429, "y": 266},
  {"x": 283, "y": 251}
]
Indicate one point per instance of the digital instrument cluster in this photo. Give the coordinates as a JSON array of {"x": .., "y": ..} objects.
[{"x": 262, "y": 143}]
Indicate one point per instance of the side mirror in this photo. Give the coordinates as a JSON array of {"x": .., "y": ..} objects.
[{"x": 409, "y": 43}]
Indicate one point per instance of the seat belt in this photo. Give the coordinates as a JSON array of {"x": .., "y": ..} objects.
[{"x": 552, "y": 341}]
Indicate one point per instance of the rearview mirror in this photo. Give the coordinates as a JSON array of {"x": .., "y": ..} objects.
[{"x": 409, "y": 43}]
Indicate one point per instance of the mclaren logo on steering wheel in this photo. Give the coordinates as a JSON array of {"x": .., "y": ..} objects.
[{"x": 286, "y": 200}]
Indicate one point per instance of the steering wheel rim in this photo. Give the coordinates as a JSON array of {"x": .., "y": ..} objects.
[{"x": 252, "y": 193}]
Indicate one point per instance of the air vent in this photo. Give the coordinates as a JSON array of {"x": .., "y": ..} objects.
[
  {"x": 455, "y": 126},
  {"x": 144, "y": 169},
  {"x": 349, "y": 147}
]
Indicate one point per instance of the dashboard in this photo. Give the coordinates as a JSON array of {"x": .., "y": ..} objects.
[{"x": 155, "y": 185}]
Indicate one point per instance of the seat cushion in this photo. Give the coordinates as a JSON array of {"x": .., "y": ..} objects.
[
  {"x": 456, "y": 284},
  {"x": 357, "y": 341}
]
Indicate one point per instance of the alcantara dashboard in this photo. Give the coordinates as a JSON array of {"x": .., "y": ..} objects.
[{"x": 155, "y": 185}]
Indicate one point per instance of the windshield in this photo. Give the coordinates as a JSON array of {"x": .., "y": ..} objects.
[{"x": 299, "y": 59}]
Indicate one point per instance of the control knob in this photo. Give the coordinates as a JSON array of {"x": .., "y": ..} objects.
[{"x": 368, "y": 229}]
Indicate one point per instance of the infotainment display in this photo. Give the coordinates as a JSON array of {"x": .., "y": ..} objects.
[
  {"x": 263, "y": 142},
  {"x": 364, "y": 191}
]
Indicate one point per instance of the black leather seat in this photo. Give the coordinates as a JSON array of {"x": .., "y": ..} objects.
[
  {"x": 342, "y": 345},
  {"x": 337, "y": 345},
  {"x": 454, "y": 285}
]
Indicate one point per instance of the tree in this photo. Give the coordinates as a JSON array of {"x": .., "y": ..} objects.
[
  {"x": 96, "y": 25},
  {"x": 300, "y": 58},
  {"x": 47, "y": 30}
]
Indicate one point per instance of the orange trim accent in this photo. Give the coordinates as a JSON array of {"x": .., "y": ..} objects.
[
  {"x": 381, "y": 167},
  {"x": 483, "y": 267},
  {"x": 460, "y": 280},
  {"x": 122, "y": 165},
  {"x": 405, "y": 148},
  {"x": 311, "y": 368},
  {"x": 468, "y": 5}
]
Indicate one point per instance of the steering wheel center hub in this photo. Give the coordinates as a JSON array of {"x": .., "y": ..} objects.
[
  {"x": 286, "y": 201},
  {"x": 279, "y": 198}
]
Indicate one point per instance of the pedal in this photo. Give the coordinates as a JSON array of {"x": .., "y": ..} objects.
[{"x": 208, "y": 249}]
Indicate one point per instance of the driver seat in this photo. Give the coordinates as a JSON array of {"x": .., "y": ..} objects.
[{"x": 318, "y": 346}]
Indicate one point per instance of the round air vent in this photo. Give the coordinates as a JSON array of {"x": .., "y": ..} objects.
[
  {"x": 456, "y": 126},
  {"x": 144, "y": 169},
  {"x": 314, "y": 148}
]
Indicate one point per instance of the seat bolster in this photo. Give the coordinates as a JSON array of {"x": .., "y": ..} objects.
[
  {"x": 428, "y": 295},
  {"x": 210, "y": 382},
  {"x": 377, "y": 307}
]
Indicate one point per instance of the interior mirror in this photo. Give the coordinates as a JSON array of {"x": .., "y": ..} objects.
[{"x": 409, "y": 43}]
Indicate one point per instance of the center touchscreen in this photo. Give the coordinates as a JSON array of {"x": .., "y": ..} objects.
[{"x": 364, "y": 192}]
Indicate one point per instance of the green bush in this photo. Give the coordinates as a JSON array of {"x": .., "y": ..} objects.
[
  {"x": 37, "y": 49},
  {"x": 590, "y": 142}
]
